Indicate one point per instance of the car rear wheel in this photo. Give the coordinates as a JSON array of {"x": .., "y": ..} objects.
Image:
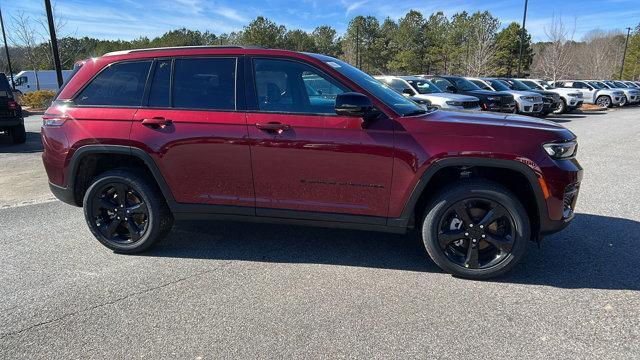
[
  {"x": 476, "y": 229},
  {"x": 603, "y": 101},
  {"x": 125, "y": 213},
  {"x": 18, "y": 134}
]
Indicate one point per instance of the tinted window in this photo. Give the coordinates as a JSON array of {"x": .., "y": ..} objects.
[
  {"x": 205, "y": 83},
  {"x": 292, "y": 87},
  {"x": 578, "y": 85},
  {"x": 159, "y": 92},
  {"x": 442, "y": 83},
  {"x": 120, "y": 84}
]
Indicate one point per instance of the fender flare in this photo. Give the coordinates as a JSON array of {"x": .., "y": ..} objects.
[
  {"x": 85, "y": 150},
  {"x": 408, "y": 209}
]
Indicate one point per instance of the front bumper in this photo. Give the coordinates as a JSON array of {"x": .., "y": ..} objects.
[
  {"x": 563, "y": 181},
  {"x": 633, "y": 99},
  {"x": 499, "y": 107},
  {"x": 64, "y": 194}
]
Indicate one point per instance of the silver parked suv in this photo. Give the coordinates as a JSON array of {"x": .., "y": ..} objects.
[
  {"x": 571, "y": 99},
  {"x": 527, "y": 102},
  {"x": 593, "y": 93},
  {"x": 416, "y": 88},
  {"x": 631, "y": 94}
]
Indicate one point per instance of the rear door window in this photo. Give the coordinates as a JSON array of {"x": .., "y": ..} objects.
[
  {"x": 205, "y": 83},
  {"x": 120, "y": 84}
]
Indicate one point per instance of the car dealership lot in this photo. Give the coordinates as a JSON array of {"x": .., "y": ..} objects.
[{"x": 215, "y": 289}]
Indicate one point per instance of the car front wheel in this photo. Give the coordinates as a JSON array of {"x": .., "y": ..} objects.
[
  {"x": 562, "y": 107},
  {"x": 125, "y": 212},
  {"x": 604, "y": 102},
  {"x": 476, "y": 229}
]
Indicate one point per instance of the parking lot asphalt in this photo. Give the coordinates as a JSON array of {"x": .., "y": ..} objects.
[{"x": 219, "y": 290}]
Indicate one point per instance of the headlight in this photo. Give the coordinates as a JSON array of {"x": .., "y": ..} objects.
[
  {"x": 528, "y": 98},
  {"x": 454, "y": 103},
  {"x": 493, "y": 98},
  {"x": 576, "y": 95},
  {"x": 561, "y": 150}
]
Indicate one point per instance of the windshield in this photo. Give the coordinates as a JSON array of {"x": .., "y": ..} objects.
[
  {"x": 498, "y": 85},
  {"x": 518, "y": 85},
  {"x": 424, "y": 87},
  {"x": 534, "y": 85},
  {"x": 597, "y": 85},
  {"x": 620, "y": 85},
  {"x": 463, "y": 84},
  {"x": 382, "y": 92}
]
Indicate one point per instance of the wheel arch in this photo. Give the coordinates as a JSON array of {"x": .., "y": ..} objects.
[
  {"x": 89, "y": 161},
  {"x": 443, "y": 172}
]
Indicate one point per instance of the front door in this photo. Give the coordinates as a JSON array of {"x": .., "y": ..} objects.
[
  {"x": 308, "y": 160},
  {"x": 194, "y": 127}
]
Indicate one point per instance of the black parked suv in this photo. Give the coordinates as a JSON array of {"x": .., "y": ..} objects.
[
  {"x": 11, "y": 120},
  {"x": 489, "y": 100},
  {"x": 551, "y": 100}
]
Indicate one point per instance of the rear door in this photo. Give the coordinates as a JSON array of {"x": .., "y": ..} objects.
[
  {"x": 193, "y": 124},
  {"x": 306, "y": 159}
]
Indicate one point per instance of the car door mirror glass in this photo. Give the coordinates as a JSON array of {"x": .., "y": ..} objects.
[{"x": 354, "y": 105}]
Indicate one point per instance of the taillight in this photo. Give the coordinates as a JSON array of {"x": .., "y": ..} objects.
[
  {"x": 12, "y": 105},
  {"x": 54, "y": 120}
]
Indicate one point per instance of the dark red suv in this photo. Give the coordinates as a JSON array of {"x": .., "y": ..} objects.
[{"x": 142, "y": 137}]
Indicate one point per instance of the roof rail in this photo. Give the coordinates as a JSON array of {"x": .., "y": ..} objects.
[{"x": 123, "y": 52}]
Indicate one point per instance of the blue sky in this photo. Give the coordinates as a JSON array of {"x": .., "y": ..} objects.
[{"x": 128, "y": 19}]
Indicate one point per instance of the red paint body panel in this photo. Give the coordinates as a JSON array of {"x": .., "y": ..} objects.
[
  {"x": 322, "y": 163},
  {"x": 204, "y": 156}
]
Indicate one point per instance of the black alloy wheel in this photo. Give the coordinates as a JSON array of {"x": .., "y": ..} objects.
[
  {"x": 476, "y": 229},
  {"x": 126, "y": 211},
  {"x": 476, "y": 233},
  {"x": 120, "y": 213}
]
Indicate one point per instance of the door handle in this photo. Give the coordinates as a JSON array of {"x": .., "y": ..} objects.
[
  {"x": 273, "y": 127},
  {"x": 156, "y": 122}
]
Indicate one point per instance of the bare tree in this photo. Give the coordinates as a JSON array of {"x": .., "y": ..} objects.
[
  {"x": 556, "y": 55},
  {"x": 600, "y": 54},
  {"x": 59, "y": 24},
  {"x": 482, "y": 40},
  {"x": 24, "y": 35}
]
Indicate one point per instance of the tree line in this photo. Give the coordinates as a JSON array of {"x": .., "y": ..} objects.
[{"x": 472, "y": 44}]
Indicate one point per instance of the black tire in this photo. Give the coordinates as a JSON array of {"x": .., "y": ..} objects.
[
  {"x": 604, "y": 101},
  {"x": 149, "y": 218},
  {"x": 18, "y": 134},
  {"x": 476, "y": 191},
  {"x": 562, "y": 107},
  {"x": 624, "y": 101}
]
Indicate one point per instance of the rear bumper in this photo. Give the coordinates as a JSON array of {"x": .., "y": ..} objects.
[
  {"x": 9, "y": 122},
  {"x": 63, "y": 194}
]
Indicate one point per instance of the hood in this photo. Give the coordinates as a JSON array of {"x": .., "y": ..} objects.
[
  {"x": 485, "y": 93},
  {"x": 520, "y": 93},
  {"x": 501, "y": 120}
]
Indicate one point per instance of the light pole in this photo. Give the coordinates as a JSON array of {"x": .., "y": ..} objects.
[
  {"x": 624, "y": 54},
  {"x": 6, "y": 49},
  {"x": 524, "y": 22},
  {"x": 54, "y": 42}
]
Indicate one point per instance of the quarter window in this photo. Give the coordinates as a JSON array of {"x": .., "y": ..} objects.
[
  {"x": 205, "y": 83},
  {"x": 120, "y": 84},
  {"x": 159, "y": 95},
  {"x": 292, "y": 87}
]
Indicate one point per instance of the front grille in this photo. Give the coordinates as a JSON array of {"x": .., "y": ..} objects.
[
  {"x": 7, "y": 113},
  {"x": 569, "y": 200},
  {"x": 469, "y": 104},
  {"x": 507, "y": 99}
]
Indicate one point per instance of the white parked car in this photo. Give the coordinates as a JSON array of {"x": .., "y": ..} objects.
[
  {"x": 527, "y": 102},
  {"x": 593, "y": 93},
  {"x": 571, "y": 99},
  {"x": 422, "y": 89},
  {"x": 26, "y": 81},
  {"x": 631, "y": 95}
]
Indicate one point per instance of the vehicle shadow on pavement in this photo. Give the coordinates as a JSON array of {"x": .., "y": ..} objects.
[
  {"x": 33, "y": 144},
  {"x": 596, "y": 252}
]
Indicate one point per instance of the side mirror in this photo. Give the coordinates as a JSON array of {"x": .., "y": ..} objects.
[
  {"x": 451, "y": 89},
  {"x": 407, "y": 92},
  {"x": 353, "y": 104},
  {"x": 488, "y": 88}
]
